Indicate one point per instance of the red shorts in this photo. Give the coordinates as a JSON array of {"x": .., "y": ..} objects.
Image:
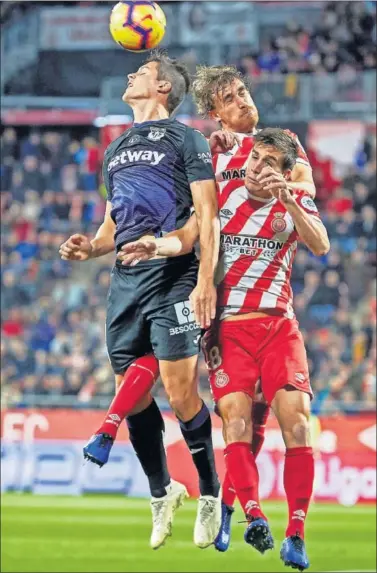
[{"x": 270, "y": 349}]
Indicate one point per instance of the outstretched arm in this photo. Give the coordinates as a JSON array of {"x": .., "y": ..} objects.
[
  {"x": 179, "y": 242},
  {"x": 205, "y": 203},
  {"x": 203, "y": 297}
]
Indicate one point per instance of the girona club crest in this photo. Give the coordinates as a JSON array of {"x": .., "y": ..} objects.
[
  {"x": 221, "y": 378},
  {"x": 278, "y": 223}
]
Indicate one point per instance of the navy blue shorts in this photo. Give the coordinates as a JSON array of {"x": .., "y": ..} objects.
[{"x": 148, "y": 310}]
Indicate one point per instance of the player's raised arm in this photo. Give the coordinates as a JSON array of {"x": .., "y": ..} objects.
[
  {"x": 304, "y": 213},
  {"x": 199, "y": 171},
  {"x": 80, "y": 248},
  {"x": 301, "y": 207},
  {"x": 302, "y": 179}
]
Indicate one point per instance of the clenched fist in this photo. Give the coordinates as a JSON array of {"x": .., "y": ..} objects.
[
  {"x": 275, "y": 182},
  {"x": 76, "y": 248}
]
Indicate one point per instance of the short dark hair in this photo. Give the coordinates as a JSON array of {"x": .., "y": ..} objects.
[
  {"x": 282, "y": 141},
  {"x": 209, "y": 81},
  {"x": 176, "y": 73}
]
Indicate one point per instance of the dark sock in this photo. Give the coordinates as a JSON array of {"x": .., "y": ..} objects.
[
  {"x": 146, "y": 435},
  {"x": 198, "y": 436}
]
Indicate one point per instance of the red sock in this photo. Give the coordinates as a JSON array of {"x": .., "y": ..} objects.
[
  {"x": 260, "y": 414},
  {"x": 298, "y": 485},
  {"x": 228, "y": 491},
  {"x": 243, "y": 473},
  {"x": 138, "y": 381}
]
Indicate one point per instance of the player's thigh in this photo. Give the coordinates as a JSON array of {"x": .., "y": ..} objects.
[
  {"x": 127, "y": 332},
  {"x": 174, "y": 333},
  {"x": 175, "y": 338},
  {"x": 235, "y": 411},
  {"x": 283, "y": 360},
  {"x": 179, "y": 378},
  {"x": 230, "y": 361}
]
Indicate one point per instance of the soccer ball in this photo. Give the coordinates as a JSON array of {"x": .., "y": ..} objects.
[{"x": 137, "y": 25}]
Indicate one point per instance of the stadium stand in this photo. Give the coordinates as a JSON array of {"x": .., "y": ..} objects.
[{"x": 343, "y": 42}]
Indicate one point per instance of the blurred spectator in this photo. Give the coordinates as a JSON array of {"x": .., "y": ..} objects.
[
  {"x": 327, "y": 292},
  {"x": 32, "y": 177},
  {"x": 31, "y": 146},
  {"x": 358, "y": 275}
]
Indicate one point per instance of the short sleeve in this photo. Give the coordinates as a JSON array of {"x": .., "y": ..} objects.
[
  {"x": 105, "y": 173},
  {"x": 302, "y": 156},
  {"x": 307, "y": 204},
  {"x": 197, "y": 157},
  {"x": 106, "y": 180}
]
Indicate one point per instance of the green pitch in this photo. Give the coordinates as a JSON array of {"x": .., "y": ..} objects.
[{"x": 111, "y": 533}]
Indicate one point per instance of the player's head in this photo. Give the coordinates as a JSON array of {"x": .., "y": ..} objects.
[
  {"x": 160, "y": 78},
  {"x": 273, "y": 147},
  {"x": 222, "y": 93}
]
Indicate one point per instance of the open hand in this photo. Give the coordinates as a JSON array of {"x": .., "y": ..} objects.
[
  {"x": 203, "y": 302},
  {"x": 133, "y": 253}
]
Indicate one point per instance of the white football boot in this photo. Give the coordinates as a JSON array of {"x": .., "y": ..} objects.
[
  {"x": 208, "y": 520},
  {"x": 163, "y": 509}
]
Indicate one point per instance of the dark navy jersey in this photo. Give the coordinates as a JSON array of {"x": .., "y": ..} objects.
[{"x": 147, "y": 173}]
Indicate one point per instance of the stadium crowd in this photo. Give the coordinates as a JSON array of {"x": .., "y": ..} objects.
[
  {"x": 53, "y": 312},
  {"x": 343, "y": 42}
]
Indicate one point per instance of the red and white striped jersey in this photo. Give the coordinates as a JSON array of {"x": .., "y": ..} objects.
[
  {"x": 258, "y": 241},
  {"x": 230, "y": 167}
]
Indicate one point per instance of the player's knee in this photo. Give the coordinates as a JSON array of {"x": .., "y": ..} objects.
[
  {"x": 237, "y": 429},
  {"x": 297, "y": 432},
  {"x": 182, "y": 395},
  {"x": 183, "y": 403},
  {"x": 235, "y": 410}
]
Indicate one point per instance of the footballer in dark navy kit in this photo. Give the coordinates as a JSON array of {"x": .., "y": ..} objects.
[
  {"x": 155, "y": 174},
  {"x": 148, "y": 171}
]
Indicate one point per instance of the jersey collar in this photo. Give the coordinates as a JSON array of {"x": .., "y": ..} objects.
[{"x": 154, "y": 122}]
